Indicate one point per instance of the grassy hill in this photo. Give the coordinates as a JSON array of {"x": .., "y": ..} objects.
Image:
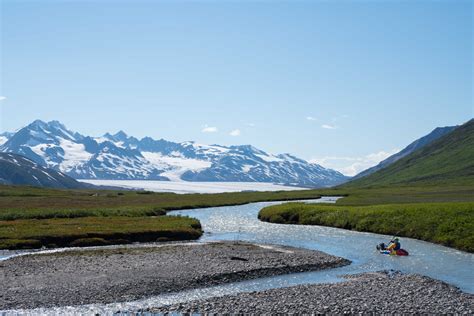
[{"x": 447, "y": 161}]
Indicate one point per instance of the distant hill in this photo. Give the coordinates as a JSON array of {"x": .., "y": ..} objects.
[
  {"x": 18, "y": 170},
  {"x": 417, "y": 144},
  {"x": 448, "y": 160}
]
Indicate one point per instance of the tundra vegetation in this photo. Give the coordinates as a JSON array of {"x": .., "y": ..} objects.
[{"x": 34, "y": 217}]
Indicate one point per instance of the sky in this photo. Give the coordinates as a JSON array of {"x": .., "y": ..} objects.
[{"x": 341, "y": 83}]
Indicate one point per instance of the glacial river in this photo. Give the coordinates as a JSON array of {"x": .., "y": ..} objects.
[{"x": 241, "y": 223}]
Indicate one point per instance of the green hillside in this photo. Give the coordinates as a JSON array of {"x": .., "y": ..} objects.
[{"x": 447, "y": 161}]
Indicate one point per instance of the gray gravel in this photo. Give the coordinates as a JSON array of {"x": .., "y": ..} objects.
[
  {"x": 126, "y": 274},
  {"x": 375, "y": 293}
]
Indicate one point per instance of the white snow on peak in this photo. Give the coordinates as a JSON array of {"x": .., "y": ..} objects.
[
  {"x": 41, "y": 134},
  {"x": 175, "y": 166},
  {"x": 246, "y": 168},
  {"x": 202, "y": 148},
  {"x": 176, "y": 154},
  {"x": 74, "y": 155},
  {"x": 101, "y": 140},
  {"x": 269, "y": 158},
  {"x": 3, "y": 140},
  {"x": 40, "y": 150},
  {"x": 61, "y": 128}
]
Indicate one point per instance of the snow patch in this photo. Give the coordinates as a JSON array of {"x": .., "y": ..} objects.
[
  {"x": 3, "y": 140},
  {"x": 246, "y": 168},
  {"x": 175, "y": 166},
  {"x": 74, "y": 155},
  {"x": 269, "y": 158}
]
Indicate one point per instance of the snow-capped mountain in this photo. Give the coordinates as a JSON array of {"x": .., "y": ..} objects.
[{"x": 120, "y": 156}]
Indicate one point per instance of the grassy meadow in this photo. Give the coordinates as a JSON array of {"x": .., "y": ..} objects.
[
  {"x": 447, "y": 223},
  {"x": 29, "y": 202},
  {"x": 93, "y": 231},
  {"x": 34, "y": 217}
]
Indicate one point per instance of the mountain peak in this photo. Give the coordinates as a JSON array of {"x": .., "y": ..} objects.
[
  {"x": 56, "y": 124},
  {"x": 121, "y": 135},
  {"x": 38, "y": 124}
]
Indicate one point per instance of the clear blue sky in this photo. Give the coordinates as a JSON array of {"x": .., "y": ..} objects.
[{"x": 341, "y": 82}]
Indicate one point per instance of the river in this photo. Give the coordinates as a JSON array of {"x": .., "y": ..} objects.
[{"x": 241, "y": 223}]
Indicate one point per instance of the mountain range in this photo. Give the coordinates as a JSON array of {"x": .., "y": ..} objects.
[{"x": 119, "y": 156}]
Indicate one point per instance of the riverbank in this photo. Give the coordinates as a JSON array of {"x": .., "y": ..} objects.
[
  {"x": 96, "y": 231},
  {"x": 125, "y": 274},
  {"x": 374, "y": 293},
  {"x": 450, "y": 224}
]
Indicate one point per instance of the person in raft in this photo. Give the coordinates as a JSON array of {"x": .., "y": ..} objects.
[{"x": 394, "y": 245}]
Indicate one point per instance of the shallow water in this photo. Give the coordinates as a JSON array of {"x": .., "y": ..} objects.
[{"x": 241, "y": 223}]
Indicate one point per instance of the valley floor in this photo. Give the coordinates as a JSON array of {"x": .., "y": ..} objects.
[
  {"x": 78, "y": 277},
  {"x": 186, "y": 187},
  {"x": 372, "y": 293}
]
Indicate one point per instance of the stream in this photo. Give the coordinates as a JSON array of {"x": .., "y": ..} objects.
[{"x": 241, "y": 223}]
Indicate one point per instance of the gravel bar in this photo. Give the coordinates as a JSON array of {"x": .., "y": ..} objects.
[
  {"x": 127, "y": 274},
  {"x": 368, "y": 293}
]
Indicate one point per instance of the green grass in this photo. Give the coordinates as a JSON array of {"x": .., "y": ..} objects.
[
  {"x": 450, "y": 223},
  {"x": 28, "y": 203},
  {"x": 89, "y": 231},
  {"x": 34, "y": 217},
  {"x": 402, "y": 194}
]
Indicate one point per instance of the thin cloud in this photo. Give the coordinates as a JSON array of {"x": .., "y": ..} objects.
[
  {"x": 350, "y": 166},
  {"x": 235, "y": 132},
  {"x": 310, "y": 118},
  {"x": 328, "y": 126},
  {"x": 2, "y": 98},
  {"x": 209, "y": 129}
]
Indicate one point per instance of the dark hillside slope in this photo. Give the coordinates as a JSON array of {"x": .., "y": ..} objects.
[
  {"x": 19, "y": 170},
  {"x": 446, "y": 161}
]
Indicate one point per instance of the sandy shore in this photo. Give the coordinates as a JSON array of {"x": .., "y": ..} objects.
[
  {"x": 125, "y": 274},
  {"x": 376, "y": 293}
]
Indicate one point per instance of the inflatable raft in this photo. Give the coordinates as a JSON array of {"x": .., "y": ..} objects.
[{"x": 399, "y": 252}]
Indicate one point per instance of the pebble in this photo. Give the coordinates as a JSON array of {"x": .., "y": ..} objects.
[
  {"x": 126, "y": 274},
  {"x": 367, "y": 293}
]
